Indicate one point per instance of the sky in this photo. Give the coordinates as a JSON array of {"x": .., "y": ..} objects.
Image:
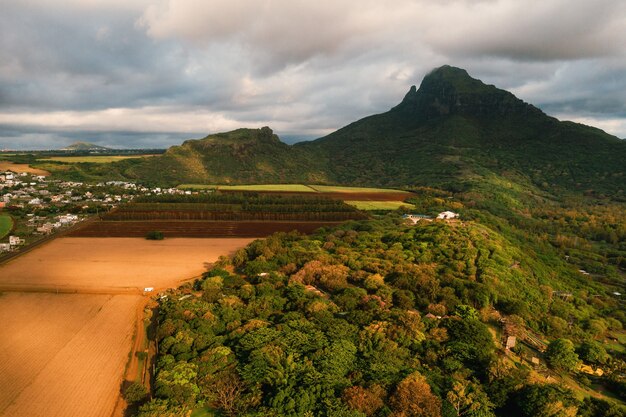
[{"x": 150, "y": 74}]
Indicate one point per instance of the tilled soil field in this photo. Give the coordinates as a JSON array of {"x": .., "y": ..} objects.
[
  {"x": 205, "y": 229},
  {"x": 63, "y": 355}
]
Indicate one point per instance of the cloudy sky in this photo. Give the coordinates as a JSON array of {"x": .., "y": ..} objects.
[{"x": 138, "y": 73}]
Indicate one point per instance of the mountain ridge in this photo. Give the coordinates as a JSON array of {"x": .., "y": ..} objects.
[{"x": 452, "y": 132}]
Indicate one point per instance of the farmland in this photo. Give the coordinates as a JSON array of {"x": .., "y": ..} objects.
[
  {"x": 379, "y": 205},
  {"x": 63, "y": 355},
  {"x": 93, "y": 159},
  {"x": 67, "y": 333},
  {"x": 112, "y": 265},
  {"x": 19, "y": 168},
  {"x": 6, "y": 223},
  {"x": 300, "y": 188},
  {"x": 222, "y": 214}
]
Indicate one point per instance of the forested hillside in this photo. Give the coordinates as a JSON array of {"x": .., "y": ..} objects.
[{"x": 378, "y": 318}]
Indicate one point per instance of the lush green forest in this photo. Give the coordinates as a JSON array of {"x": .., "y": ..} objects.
[{"x": 378, "y": 318}]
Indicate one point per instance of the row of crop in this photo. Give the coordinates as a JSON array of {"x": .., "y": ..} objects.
[
  {"x": 235, "y": 216},
  {"x": 239, "y": 198},
  {"x": 312, "y": 206}
]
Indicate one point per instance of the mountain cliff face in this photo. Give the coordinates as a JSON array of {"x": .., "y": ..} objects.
[{"x": 453, "y": 132}]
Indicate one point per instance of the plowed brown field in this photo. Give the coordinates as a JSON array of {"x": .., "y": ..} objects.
[
  {"x": 115, "y": 265},
  {"x": 63, "y": 355},
  {"x": 203, "y": 229}
]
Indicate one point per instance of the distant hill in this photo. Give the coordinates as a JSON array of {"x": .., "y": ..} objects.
[
  {"x": 454, "y": 132},
  {"x": 85, "y": 146},
  {"x": 240, "y": 156}
]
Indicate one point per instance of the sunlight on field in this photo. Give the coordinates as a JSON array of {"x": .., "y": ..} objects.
[
  {"x": 63, "y": 355},
  {"x": 6, "y": 223},
  {"x": 94, "y": 159},
  {"x": 252, "y": 187},
  {"x": 340, "y": 189},
  {"x": 115, "y": 264},
  {"x": 379, "y": 205},
  {"x": 19, "y": 168}
]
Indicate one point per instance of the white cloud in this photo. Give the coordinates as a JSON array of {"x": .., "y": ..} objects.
[{"x": 302, "y": 67}]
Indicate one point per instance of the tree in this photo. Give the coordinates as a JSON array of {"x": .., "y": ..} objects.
[
  {"x": 154, "y": 235},
  {"x": 592, "y": 352},
  {"x": 413, "y": 398},
  {"x": 561, "y": 355},
  {"x": 135, "y": 393},
  {"x": 228, "y": 390},
  {"x": 468, "y": 399},
  {"x": 548, "y": 400},
  {"x": 366, "y": 400}
]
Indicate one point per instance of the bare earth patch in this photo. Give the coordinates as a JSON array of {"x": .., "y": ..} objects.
[
  {"x": 19, "y": 168},
  {"x": 114, "y": 265},
  {"x": 63, "y": 355}
]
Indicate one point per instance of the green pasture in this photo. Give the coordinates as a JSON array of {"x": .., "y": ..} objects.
[
  {"x": 93, "y": 159},
  {"x": 6, "y": 224},
  {"x": 341, "y": 189},
  {"x": 378, "y": 205}
]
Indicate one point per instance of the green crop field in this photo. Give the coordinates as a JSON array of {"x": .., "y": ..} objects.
[
  {"x": 341, "y": 189},
  {"x": 94, "y": 159},
  {"x": 253, "y": 187},
  {"x": 6, "y": 224},
  {"x": 378, "y": 205}
]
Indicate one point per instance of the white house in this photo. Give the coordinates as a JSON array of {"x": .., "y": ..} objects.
[
  {"x": 16, "y": 241},
  {"x": 447, "y": 215}
]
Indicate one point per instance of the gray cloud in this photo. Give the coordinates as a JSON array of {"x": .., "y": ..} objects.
[{"x": 138, "y": 72}]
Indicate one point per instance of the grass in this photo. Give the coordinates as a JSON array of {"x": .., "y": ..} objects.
[
  {"x": 301, "y": 188},
  {"x": 6, "y": 224},
  {"x": 254, "y": 187},
  {"x": 340, "y": 189},
  {"x": 94, "y": 159},
  {"x": 378, "y": 205}
]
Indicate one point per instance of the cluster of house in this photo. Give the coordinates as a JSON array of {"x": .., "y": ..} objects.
[
  {"x": 43, "y": 226},
  {"x": 36, "y": 192},
  {"x": 444, "y": 215},
  {"x": 14, "y": 243}
]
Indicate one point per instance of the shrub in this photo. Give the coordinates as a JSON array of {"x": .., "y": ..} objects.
[{"x": 154, "y": 235}]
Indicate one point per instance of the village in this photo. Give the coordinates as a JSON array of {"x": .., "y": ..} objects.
[{"x": 40, "y": 207}]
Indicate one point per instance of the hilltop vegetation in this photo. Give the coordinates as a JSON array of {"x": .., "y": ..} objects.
[{"x": 334, "y": 324}]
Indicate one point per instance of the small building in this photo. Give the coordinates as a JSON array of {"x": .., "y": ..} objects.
[
  {"x": 510, "y": 342},
  {"x": 16, "y": 241},
  {"x": 414, "y": 218},
  {"x": 447, "y": 215}
]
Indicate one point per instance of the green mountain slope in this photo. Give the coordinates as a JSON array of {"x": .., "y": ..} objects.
[
  {"x": 454, "y": 132},
  {"x": 454, "y": 129},
  {"x": 240, "y": 156}
]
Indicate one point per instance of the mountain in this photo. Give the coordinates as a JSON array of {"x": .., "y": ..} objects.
[
  {"x": 240, "y": 156},
  {"x": 453, "y": 132},
  {"x": 84, "y": 146},
  {"x": 455, "y": 129}
]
